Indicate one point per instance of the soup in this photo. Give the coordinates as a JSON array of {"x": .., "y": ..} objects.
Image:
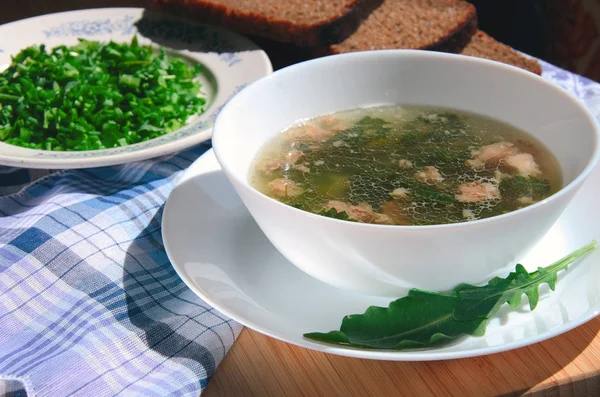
[{"x": 405, "y": 165}]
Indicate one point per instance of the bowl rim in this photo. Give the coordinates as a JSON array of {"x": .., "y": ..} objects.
[{"x": 217, "y": 142}]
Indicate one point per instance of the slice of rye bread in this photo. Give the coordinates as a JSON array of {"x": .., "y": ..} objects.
[
  {"x": 483, "y": 46},
  {"x": 302, "y": 22},
  {"x": 412, "y": 24}
]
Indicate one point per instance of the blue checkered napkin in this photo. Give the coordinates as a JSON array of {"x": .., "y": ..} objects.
[
  {"x": 89, "y": 303},
  {"x": 14, "y": 179}
]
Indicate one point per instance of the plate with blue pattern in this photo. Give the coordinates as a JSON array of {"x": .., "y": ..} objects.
[{"x": 230, "y": 63}]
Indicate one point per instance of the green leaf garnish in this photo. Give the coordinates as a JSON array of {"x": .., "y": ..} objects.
[
  {"x": 514, "y": 187},
  {"x": 366, "y": 130},
  {"x": 425, "y": 318},
  {"x": 488, "y": 299},
  {"x": 333, "y": 213},
  {"x": 419, "y": 319}
]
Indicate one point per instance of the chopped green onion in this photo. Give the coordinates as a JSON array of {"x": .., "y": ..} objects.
[
  {"x": 95, "y": 95},
  {"x": 24, "y": 133},
  {"x": 7, "y": 97},
  {"x": 5, "y": 132},
  {"x": 129, "y": 81}
]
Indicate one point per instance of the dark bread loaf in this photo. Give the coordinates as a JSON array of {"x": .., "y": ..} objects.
[
  {"x": 302, "y": 22},
  {"x": 412, "y": 24},
  {"x": 483, "y": 46},
  {"x": 438, "y": 25}
]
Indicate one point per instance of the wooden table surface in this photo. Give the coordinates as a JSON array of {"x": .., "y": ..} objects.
[{"x": 568, "y": 365}]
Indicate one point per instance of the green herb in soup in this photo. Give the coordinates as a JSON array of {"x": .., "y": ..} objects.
[{"x": 405, "y": 165}]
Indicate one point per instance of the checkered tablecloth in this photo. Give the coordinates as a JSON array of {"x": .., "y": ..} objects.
[{"x": 89, "y": 303}]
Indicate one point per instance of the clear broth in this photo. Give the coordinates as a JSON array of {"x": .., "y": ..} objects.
[{"x": 405, "y": 165}]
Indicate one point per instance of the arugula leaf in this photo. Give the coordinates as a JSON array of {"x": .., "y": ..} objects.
[
  {"x": 426, "y": 318},
  {"x": 419, "y": 319},
  {"x": 486, "y": 300}
]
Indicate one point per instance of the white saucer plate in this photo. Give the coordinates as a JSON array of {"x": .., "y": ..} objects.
[
  {"x": 222, "y": 255},
  {"x": 231, "y": 62}
]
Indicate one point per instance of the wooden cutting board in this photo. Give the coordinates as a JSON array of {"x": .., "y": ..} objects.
[{"x": 257, "y": 365}]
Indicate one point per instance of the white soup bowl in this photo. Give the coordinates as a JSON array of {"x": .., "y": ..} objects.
[{"x": 387, "y": 260}]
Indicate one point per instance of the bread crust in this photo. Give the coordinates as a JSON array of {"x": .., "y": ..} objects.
[
  {"x": 459, "y": 37},
  {"x": 482, "y": 45},
  {"x": 459, "y": 34},
  {"x": 331, "y": 30},
  {"x": 326, "y": 37}
]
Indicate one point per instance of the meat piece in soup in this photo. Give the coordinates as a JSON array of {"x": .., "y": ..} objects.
[
  {"x": 283, "y": 187},
  {"x": 405, "y": 165},
  {"x": 472, "y": 192}
]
